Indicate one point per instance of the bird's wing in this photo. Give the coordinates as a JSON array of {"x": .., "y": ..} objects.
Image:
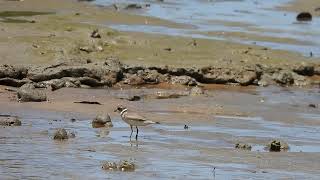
[{"x": 134, "y": 116}]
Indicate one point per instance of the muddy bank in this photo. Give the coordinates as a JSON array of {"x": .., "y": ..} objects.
[
  {"x": 302, "y": 6},
  {"x": 112, "y": 72}
]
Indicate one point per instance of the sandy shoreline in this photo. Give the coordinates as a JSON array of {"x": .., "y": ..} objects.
[
  {"x": 303, "y": 6},
  {"x": 59, "y": 36},
  {"x": 55, "y": 51}
]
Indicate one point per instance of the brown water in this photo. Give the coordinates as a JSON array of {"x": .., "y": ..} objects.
[{"x": 167, "y": 150}]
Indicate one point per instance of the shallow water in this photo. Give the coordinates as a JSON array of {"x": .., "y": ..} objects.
[
  {"x": 249, "y": 16},
  {"x": 167, "y": 150}
]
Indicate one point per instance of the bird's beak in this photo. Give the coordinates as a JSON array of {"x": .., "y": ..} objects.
[{"x": 115, "y": 110}]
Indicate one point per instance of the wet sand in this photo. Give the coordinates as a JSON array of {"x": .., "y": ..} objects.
[
  {"x": 59, "y": 36},
  {"x": 216, "y": 123},
  {"x": 302, "y": 6}
]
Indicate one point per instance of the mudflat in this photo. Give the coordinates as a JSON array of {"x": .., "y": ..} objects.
[{"x": 207, "y": 95}]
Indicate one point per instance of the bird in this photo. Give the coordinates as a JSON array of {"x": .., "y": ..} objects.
[{"x": 133, "y": 119}]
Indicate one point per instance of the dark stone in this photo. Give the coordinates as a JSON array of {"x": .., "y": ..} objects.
[
  {"x": 133, "y": 6},
  {"x": 304, "y": 16},
  {"x": 243, "y": 146},
  {"x": 312, "y": 105},
  {"x": 13, "y": 82},
  {"x": 277, "y": 146},
  {"x": 60, "y": 134},
  {"x": 305, "y": 70},
  {"x": 95, "y": 34}
]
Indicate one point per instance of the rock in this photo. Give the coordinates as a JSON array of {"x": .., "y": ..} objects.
[
  {"x": 313, "y": 105},
  {"x": 9, "y": 121},
  {"x": 71, "y": 82},
  {"x": 28, "y": 93},
  {"x": 102, "y": 120},
  {"x": 93, "y": 82},
  {"x": 109, "y": 166},
  {"x": 60, "y": 134},
  {"x": 95, "y": 34},
  {"x": 134, "y": 80},
  {"x": 243, "y": 76},
  {"x": 277, "y": 146},
  {"x": 300, "y": 80},
  {"x": 265, "y": 80},
  {"x": 13, "y": 82},
  {"x": 246, "y": 78},
  {"x": 304, "y": 16},
  {"x": 317, "y": 70},
  {"x": 152, "y": 76},
  {"x": 243, "y": 146},
  {"x": 57, "y": 84},
  {"x": 126, "y": 166},
  {"x": 283, "y": 77},
  {"x": 133, "y": 6},
  {"x": 71, "y": 135},
  {"x": 132, "y": 98},
  {"x": 114, "y": 64},
  {"x": 305, "y": 70},
  {"x": 15, "y": 72},
  {"x": 195, "y": 91},
  {"x": 183, "y": 80}
]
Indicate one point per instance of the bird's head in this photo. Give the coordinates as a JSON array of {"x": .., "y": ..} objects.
[{"x": 119, "y": 108}]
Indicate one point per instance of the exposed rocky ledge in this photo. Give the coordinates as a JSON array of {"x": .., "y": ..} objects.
[{"x": 112, "y": 71}]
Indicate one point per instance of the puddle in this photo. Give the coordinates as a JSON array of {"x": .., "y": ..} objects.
[
  {"x": 163, "y": 151},
  {"x": 247, "y": 16}
]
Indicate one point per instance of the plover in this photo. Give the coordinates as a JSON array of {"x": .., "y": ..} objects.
[{"x": 133, "y": 119}]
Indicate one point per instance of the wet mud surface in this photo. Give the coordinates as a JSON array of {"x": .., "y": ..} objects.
[
  {"x": 244, "y": 21},
  {"x": 205, "y": 150}
]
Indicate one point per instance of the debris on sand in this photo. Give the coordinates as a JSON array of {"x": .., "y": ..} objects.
[
  {"x": 88, "y": 102},
  {"x": 102, "y": 120},
  {"x": 95, "y": 34},
  {"x": 243, "y": 146},
  {"x": 60, "y": 134},
  {"x": 123, "y": 165},
  {"x": 132, "y": 98},
  {"x": 7, "y": 120},
  {"x": 312, "y": 105},
  {"x": 277, "y": 146}
]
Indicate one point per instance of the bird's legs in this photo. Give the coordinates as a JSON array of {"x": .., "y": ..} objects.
[
  {"x": 137, "y": 133},
  {"x": 131, "y": 132}
]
